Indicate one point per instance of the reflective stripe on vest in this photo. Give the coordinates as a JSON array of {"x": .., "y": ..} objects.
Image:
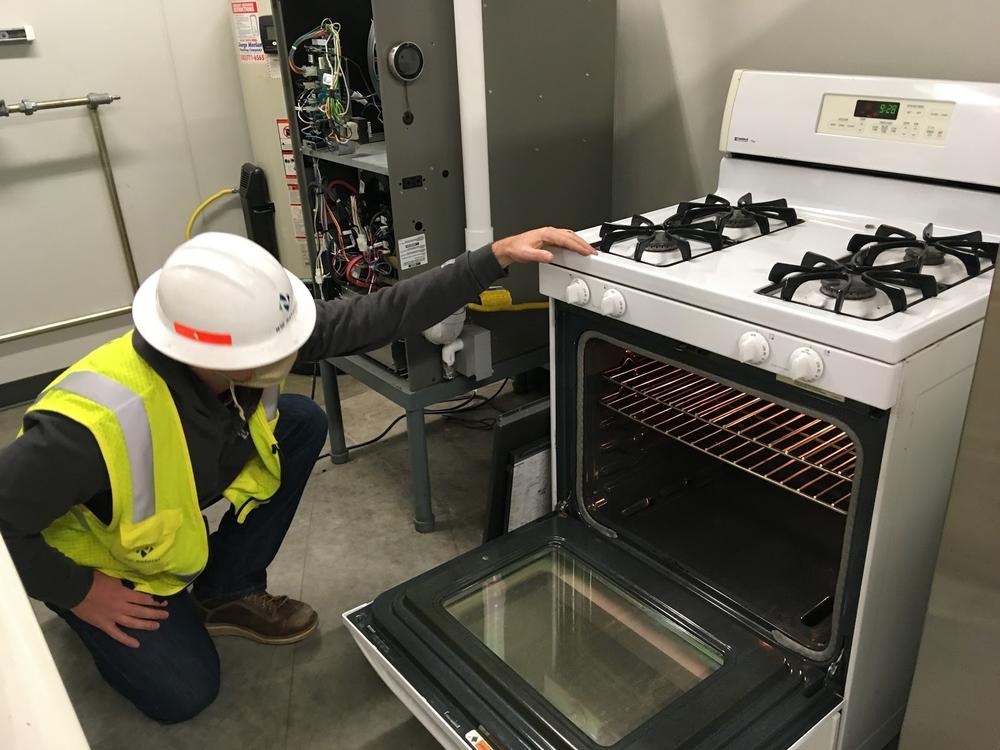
[{"x": 131, "y": 414}]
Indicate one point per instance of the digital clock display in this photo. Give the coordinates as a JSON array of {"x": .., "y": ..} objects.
[{"x": 880, "y": 110}]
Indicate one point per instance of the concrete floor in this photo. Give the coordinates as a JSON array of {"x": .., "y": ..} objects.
[{"x": 352, "y": 538}]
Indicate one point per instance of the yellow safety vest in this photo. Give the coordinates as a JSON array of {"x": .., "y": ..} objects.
[{"x": 157, "y": 537}]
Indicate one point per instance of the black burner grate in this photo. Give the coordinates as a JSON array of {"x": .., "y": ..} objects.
[
  {"x": 860, "y": 276},
  {"x": 745, "y": 213},
  {"x": 661, "y": 237},
  {"x": 704, "y": 222},
  {"x": 853, "y": 280},
  {"x": 974, "y": 254}
]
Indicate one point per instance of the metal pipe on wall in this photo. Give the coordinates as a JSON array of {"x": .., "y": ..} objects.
[
  {"x": 472, "y": 115},
  {"x": 116, "y": 205},
  {"x": 6, "y": 338},
  {"x": 92, "y": 102}
]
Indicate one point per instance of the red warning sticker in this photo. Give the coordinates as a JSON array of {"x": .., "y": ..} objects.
[
  {"x": 244, "y": 7},
  {"x": 284, "y": 134}
]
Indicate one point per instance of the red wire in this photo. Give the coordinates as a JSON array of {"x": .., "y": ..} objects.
[
  {"x": 357, "y": 280},
  {"x": 342, "y": 183}
]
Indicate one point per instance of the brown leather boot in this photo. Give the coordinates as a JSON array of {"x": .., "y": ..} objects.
[{"x": 263, "y": 618}]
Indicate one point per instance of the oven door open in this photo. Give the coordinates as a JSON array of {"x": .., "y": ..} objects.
[
  {"x": 555, "y": 637},
  {"x": 694, "y": 590}
]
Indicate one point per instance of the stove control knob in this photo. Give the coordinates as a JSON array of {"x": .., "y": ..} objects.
[
  {"x": 578, "y": 293},
  {"x": 754, "y": 349},
  {"x": 805, "y": 364},
  {"x": 613, "y": 303}
]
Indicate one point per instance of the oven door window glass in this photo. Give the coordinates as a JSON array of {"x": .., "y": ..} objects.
[{"x": 601, "y": 657}]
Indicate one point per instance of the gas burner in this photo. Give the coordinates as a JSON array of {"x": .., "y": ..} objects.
[
  {"x": 852, "y": 280},
  {"x": 660, "y": 239},
  {"x": 740, "y": 219},
  {"x": 744, "y": 214},
  {"x": 974, "y": 254},
  {"x": 925, "y": 256},
  {"x": 660, "y": 242},
  {"x": 853, "y": 287}
]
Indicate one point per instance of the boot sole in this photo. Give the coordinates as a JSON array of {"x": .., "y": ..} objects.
[{"x": 220, "y": 629}]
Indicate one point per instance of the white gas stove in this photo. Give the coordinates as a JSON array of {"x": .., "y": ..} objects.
[
  {"x": 756, "y": 399},
  {"x": 855, "y": 192},
  {"x": 848, "y": 251}
]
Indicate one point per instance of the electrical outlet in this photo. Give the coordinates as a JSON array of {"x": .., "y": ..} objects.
[{"x": 413, "y": 182}]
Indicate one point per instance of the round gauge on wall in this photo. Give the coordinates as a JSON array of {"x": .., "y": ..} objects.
[{"x": 406, "y": 61}]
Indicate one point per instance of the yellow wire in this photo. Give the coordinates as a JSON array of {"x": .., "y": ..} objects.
[
  {"x": 203, "y": 205},
  {"x": 509, "y": 308}
]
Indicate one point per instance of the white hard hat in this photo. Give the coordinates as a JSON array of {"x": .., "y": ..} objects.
[{"x": 223, "y": 302}]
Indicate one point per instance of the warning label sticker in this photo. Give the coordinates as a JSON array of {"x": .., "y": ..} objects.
[
  {"x": 412, "y": 251},
  {"x": 476, "y": 740},
  {"x": 273, "y": 66},
  {"x": 246, "y": 30},
  {"x": 289, "y": 159},
  {"x": 294, "y": 198},
  {"x": 284, "y": 135},
  {"x": 298, "y": 222}
]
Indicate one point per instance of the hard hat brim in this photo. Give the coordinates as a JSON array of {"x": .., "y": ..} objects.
[{"x": 153, "y": 326}]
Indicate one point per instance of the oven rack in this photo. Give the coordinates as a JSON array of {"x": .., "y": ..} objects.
[{"x": 803, "y": 454}]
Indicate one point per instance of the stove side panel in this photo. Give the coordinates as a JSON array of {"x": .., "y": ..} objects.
[{"x": 917, "y": 466}]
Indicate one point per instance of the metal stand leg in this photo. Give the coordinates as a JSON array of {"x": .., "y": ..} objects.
[
  {"x": 331, "y": 395},
  {"x": 423, "y": 514}
]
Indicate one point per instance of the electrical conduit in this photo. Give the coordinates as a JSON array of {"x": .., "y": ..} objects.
[{"x": 472, "y": 115}]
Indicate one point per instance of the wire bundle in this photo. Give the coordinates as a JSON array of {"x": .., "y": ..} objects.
[
  {"x": 325, "y": 107},
  {"x": 453, "y": 413},
  {"x": 355, "y": 251}
]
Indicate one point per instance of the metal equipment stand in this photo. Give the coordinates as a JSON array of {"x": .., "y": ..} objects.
[{"x": 398, "y": 390}]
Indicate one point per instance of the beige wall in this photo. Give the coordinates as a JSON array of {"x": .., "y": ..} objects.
[
  {"x": 178, "y": 134},
  {"x": 675, "y": 59}
]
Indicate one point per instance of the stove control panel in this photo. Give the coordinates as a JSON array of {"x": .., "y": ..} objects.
[
  {"x": 613, "y": 303},
  {"x": 753, "y": 348},
  {"x": 805, "y": 365},
  {"x": 888, "y": 118},
  {"x": 837, "y": 372},
  {"x": 577, "y": 292}
]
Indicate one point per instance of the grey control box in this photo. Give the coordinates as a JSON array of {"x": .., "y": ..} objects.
[{"x": 475, "y": 358}]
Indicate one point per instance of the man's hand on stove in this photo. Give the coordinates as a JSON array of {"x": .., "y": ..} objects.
[{"x": 529, "y": 247}]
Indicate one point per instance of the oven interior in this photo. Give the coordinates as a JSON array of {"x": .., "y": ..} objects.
[{"x": 744, "y": 495}]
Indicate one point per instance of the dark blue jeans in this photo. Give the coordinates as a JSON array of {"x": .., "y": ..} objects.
[{"x": 174, "y": 673}]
